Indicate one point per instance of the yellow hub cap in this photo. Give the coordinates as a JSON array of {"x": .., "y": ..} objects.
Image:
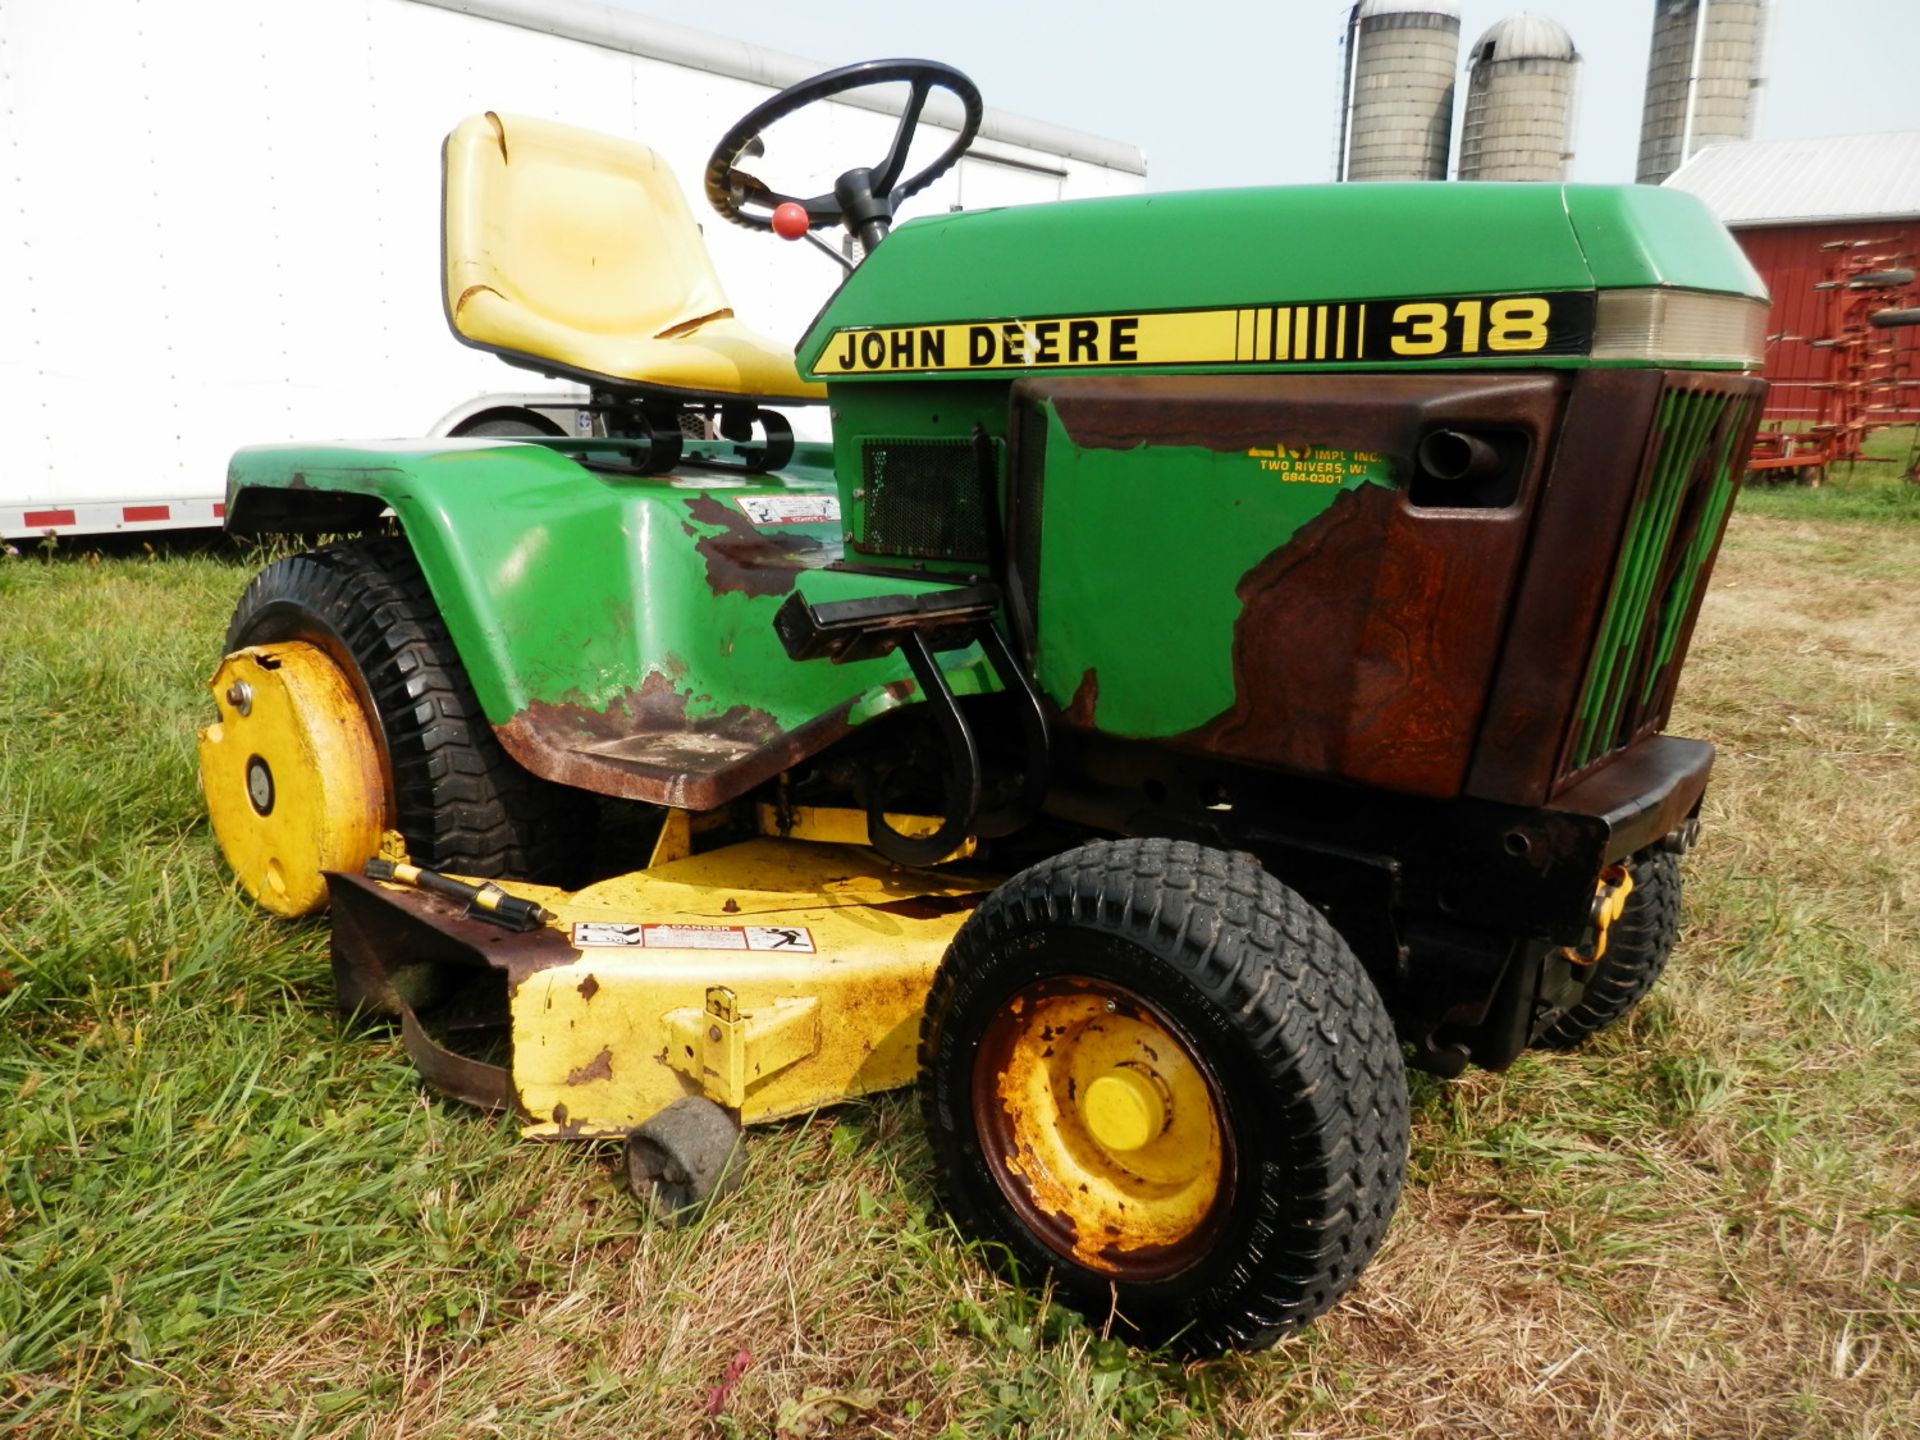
[
  {"x": 1101, "y": 1127},
  {"x": 292, "y": 774},
  {"x": 1124, "y": 1109}
]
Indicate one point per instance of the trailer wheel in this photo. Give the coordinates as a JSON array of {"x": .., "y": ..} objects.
[
  {"x": 1154, "y": 1071},
  {"x": 506, "y": 422},
  {"x": 1638, "y": 946},
  {"x": 361, "y": 609}
]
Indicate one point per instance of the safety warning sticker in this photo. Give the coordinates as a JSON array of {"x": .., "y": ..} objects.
[
  {"x": 588, "y": 934},
  {"x": 790, "y": 509}
]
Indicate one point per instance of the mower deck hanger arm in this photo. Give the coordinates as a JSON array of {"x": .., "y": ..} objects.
[{"x": 918, "y": 626}]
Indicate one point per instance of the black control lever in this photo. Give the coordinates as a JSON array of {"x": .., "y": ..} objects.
[{"x": 917, "y": 626}]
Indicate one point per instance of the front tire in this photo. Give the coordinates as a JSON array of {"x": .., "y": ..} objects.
[
  {"x": 1153, "y": 1070},
  {"x": 457, "y": 799},
  {"x": 1639, "y": 944}
]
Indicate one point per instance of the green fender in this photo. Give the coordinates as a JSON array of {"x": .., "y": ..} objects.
[{"x": 618, "y": 629}]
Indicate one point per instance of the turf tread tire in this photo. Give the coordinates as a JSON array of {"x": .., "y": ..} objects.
[
  {"x": 1639, "y": 944},
  {"x": 460, "y": 801},
  {"x": 1300, "y": 1020}
]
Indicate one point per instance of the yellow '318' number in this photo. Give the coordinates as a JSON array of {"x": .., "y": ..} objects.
[{"x": 1469, "y": 327}]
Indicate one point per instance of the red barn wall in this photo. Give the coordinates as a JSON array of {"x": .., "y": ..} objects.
[{"x": 1791, "y": 261}]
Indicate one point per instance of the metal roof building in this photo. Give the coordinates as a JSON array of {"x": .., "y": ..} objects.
[
  {"x": 1803, "y": 210},
  {"x": 1797, "y": 182}
]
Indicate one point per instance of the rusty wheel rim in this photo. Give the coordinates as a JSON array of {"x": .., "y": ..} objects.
[{"x": 1103, "y": 1128}]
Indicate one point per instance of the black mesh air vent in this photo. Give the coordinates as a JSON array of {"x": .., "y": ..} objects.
[{"x": 923, "y": 497}]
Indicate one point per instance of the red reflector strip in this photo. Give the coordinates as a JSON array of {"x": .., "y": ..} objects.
[
  {"x": 145, "y": 512},
  {"x": 219, "y": 509},
  {"x": 42, "y": 519}
]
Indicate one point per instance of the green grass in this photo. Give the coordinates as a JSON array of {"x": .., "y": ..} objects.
[
  {"x": 221, "y": 1214},
  {"x": 1872, "y": 490}
]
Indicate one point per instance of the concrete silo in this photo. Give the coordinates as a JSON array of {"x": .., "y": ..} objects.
[
  {"x": 1703, "y": 80},
  {"x": 1520, "y": 95},
  {"x": 1396, "y": 112}
]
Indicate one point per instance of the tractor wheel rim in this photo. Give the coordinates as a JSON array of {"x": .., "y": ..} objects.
[
  {"x": 1102, "y": 1128},
  {"x": 292, "y": 773}
]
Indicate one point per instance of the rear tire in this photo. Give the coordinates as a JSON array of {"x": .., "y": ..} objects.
[
  {"x": 1249, "y": 1139},
  {"x": 1639, "y": 944},
  {"x": 458, "y": 800}
]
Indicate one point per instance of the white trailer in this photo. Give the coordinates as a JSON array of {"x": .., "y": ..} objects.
[{"x": 220, "y": 220}]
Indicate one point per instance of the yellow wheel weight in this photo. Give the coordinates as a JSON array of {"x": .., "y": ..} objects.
[
  {"x": 1105, "y": 1127},
  {"x": 292, "y": 774}
]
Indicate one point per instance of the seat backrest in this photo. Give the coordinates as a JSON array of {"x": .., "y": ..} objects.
[{"x": 576, "y": 230}]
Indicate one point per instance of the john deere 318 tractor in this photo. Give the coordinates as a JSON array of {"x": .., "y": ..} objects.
[{"x": 1220, "y": 659}]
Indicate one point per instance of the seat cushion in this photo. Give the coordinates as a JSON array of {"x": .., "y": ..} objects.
[
  {"x": 570, "y": 251},
  {"x": 720, "y": 355}
]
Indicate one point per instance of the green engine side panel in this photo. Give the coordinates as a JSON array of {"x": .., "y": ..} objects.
[
  {"x": 587, "y": 606},
  {"x": 1108, "y": 630}
]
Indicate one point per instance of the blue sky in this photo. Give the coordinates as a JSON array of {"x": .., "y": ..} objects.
[{"x": 1221, "y": 92}]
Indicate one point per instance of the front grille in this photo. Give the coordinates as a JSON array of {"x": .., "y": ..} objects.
[
  {"x": 923, "y": 497},
  {"x": 1692, "y": 469}
]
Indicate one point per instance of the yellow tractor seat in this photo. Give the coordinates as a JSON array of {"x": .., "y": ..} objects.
[{"x": 574, "y": 253}]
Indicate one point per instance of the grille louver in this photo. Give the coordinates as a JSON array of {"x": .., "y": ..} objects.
[{"x": 1672, "y": 532}]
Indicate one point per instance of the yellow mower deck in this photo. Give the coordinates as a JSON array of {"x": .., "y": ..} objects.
[{"x": 771, "y": 976}]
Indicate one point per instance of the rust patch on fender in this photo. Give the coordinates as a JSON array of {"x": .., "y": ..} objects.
[
  {"x": 598, "y": 1068},
  {"x": 747, "y": 561},
  {"x": 645, "y": 745}
]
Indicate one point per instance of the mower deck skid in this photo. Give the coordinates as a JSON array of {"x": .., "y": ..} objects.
[{"x": 771, "y": 976}]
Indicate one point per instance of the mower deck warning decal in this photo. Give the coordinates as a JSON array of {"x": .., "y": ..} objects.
[
  {"x": 590, "y": 934},
  {"x": 1360, "y": 331},
  {"x": 790, "y": 509}
]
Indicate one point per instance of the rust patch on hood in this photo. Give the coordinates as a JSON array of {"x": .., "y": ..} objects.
[{"x": 748, "y": 561}]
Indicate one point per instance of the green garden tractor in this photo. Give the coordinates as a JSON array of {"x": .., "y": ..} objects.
[{"x": 1219, "y": 660}]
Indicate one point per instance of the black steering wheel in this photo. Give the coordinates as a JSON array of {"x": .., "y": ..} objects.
[{"x": 862, "y": 199}]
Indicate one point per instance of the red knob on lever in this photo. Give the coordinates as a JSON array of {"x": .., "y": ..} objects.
[{"x": 790, "y": 221}]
